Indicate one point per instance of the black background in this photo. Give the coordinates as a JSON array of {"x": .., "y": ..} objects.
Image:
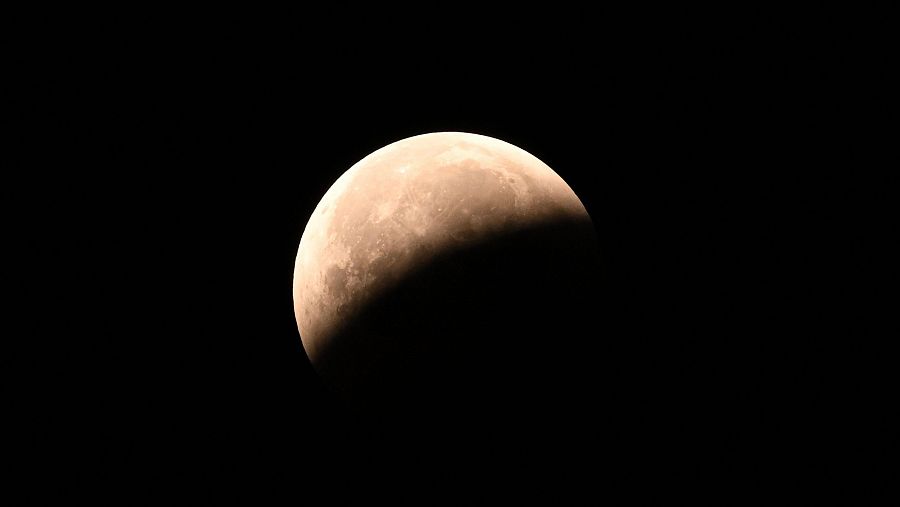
[{"x": 169, "y": 165}]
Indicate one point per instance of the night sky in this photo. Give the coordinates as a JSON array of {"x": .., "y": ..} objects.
[{"x": 168, "y": 171}]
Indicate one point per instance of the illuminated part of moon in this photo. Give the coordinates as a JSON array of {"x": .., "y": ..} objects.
[{"x": 400, "y": 205}]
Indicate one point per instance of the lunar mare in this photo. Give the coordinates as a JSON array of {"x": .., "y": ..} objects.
[{"x": 402, "y": 205}]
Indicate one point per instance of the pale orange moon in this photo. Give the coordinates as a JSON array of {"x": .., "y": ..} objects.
[{"x": 403, "y": 204}]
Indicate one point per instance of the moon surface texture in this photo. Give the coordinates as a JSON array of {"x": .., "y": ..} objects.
[{"x": 440, "y": 266}]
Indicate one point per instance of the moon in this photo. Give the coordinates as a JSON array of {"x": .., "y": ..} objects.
[{"x": 409, "y": 247}]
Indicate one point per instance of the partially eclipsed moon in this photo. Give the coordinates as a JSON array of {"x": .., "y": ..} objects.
[{"x": 400, "y": 207}]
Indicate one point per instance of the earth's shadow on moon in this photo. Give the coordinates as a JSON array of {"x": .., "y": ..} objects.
[{"x": 488, "y": 353}]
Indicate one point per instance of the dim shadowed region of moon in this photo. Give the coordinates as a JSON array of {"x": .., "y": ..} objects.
[{"x": 443, "y": 284}]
